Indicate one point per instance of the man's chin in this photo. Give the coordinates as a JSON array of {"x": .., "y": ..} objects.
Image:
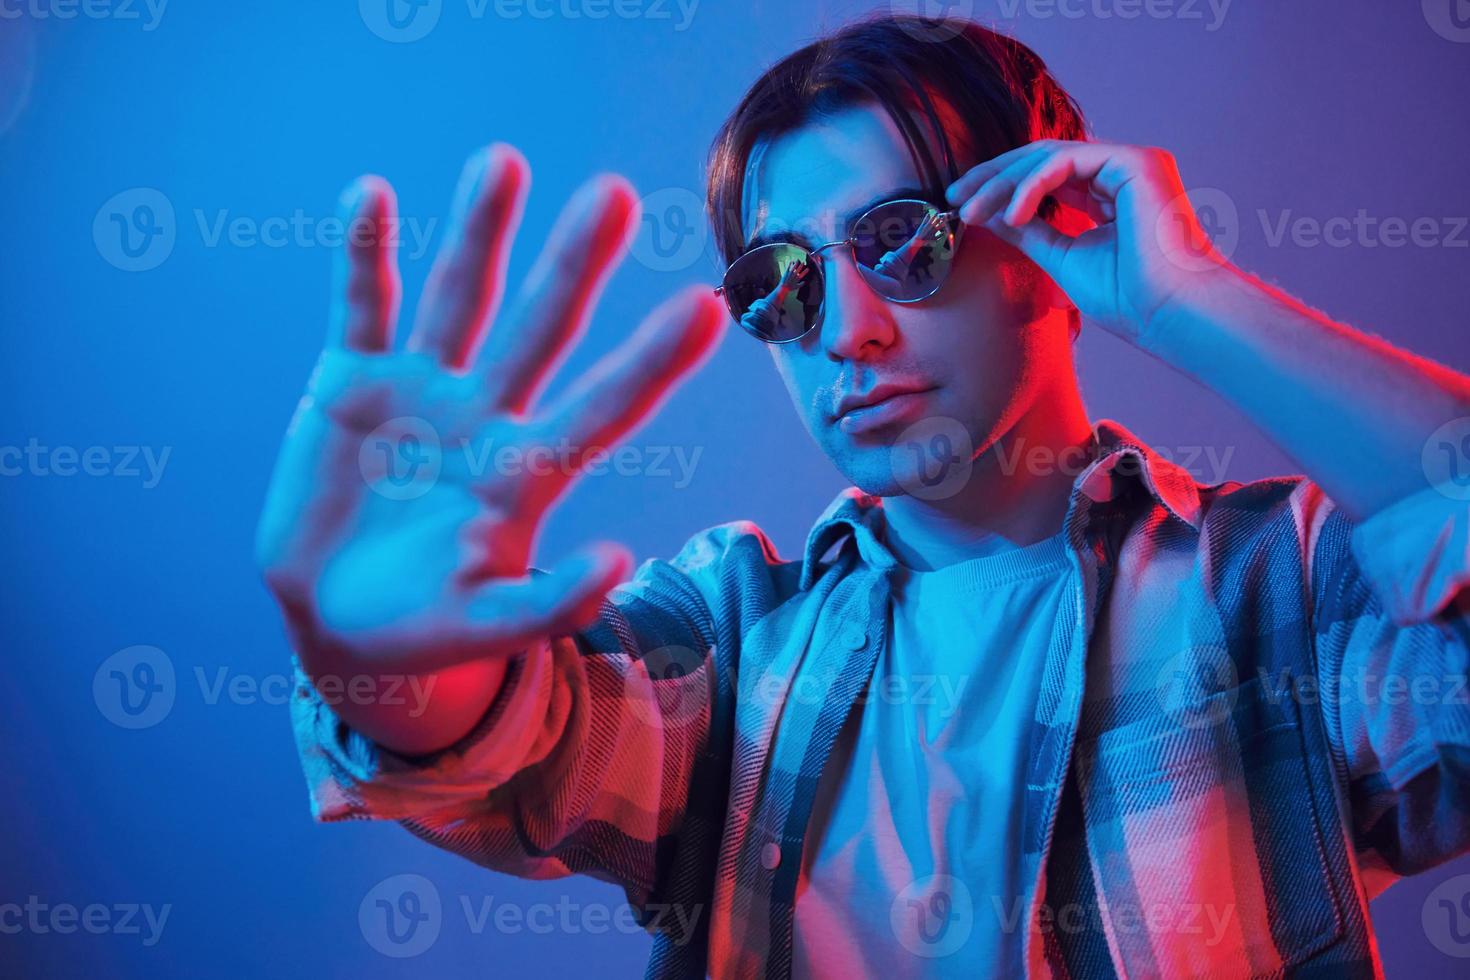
[
  {"x": 872, "y": 471},
  {"x": 930, "y": 459}
]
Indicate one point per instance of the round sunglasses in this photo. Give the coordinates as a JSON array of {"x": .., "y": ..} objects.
[{"x": 902, "y": 249}]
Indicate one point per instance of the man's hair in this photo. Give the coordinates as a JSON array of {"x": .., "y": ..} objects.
[{"x": 999, "y": 89}]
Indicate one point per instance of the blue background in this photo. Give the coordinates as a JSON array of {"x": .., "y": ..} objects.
[{"x": 266, "y": 110}]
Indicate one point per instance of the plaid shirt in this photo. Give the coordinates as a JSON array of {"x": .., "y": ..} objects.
[{"x": 1253, "y": 719}]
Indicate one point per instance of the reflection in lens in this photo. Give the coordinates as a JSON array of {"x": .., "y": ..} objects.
[
  {"x": 904, "y": 249},
  {"x": 774, "y": 291}
]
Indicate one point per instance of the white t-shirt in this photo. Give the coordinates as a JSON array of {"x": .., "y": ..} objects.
[{"x": 912, "y": 859}]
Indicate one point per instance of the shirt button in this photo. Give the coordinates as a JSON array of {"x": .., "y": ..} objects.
[
  {"x": 770, "y": 855},
  {"x": 855, "y": 639}
]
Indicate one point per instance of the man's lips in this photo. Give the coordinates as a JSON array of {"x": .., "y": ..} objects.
[
  {"x": 876, "y": 396},
  {"x": 882, "y": 406}
]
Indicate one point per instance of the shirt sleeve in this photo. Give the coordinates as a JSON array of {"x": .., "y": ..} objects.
[
  {"x": 1392, "y": 619},
  {"x": 588, "y": 758},
  {"x": 763, "y": 316},
  {"x": 892, "y": 265}
]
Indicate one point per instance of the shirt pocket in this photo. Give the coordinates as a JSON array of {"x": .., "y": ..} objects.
[{"x": 1206, "y": 838}]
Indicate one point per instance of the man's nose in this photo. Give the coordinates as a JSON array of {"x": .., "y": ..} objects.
[{"x": 856, "y": 322}]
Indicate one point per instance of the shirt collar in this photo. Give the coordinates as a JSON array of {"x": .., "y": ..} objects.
[{"x": 1120, "y": 458}]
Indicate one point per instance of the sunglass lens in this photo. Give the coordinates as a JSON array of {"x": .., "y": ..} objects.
[
  {"x": 904, "y": 249},
  {"x": 774, "y": 291}
]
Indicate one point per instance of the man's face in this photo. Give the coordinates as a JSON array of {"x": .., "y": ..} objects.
[{"x": 982, "y": 348}]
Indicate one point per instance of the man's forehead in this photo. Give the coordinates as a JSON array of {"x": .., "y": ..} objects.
[{"x": 808, "y": 180}]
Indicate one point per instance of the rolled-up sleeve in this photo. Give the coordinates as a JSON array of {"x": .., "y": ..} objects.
[
  {"x": 600, "y": 750},
  {"x": 1391, "y": 630},
  {"x": 352, "y": 777},
  {"x": 1416, "y": 554}
]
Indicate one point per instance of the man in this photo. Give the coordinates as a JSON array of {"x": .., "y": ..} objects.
[{"x": 1159, "y": 745}]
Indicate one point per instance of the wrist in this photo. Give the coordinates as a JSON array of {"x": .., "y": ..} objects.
[{"x": 1201, "y": 300}]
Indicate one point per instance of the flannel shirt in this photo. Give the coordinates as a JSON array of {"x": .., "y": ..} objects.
[{"x": 1253, "y": 719}]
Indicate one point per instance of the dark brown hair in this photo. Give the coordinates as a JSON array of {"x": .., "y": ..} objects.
[{"x": 999, "y": 89}]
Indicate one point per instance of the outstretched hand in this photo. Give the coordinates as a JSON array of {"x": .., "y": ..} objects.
[
  {"x": 1128, "y": 244},
  {"x": 391, "y": 534}
]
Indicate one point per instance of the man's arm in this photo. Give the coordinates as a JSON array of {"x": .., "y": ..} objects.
[
  {"x": 397, "y": 532},
  {"x": 531, "y": 721},
  {"x": 894, "y": 265},
  {"x": 1384, "y": 519},
  {"x": 604, "y": 753},
  {"x": 1355, "y": 412}
]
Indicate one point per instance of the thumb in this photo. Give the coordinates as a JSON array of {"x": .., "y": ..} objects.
[
  {"x": 506, "y": 615},
  {"x": 576, "y": 586}
]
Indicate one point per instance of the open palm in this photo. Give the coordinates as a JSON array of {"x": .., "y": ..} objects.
[{"x": 411, "y": 484}]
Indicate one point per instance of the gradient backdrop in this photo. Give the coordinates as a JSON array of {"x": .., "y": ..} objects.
[{"x": 162, "y": 295}]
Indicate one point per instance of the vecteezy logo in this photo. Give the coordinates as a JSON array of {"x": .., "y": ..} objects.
[
  {"x": 1197, "y": 687},
  {"x": 401, "y": 459},
  {"x": 933, "y": 916},
  {"x": 1446, "y": 459},
  {"x": 400, "y": 916},
  {"x": 1450, "y": 19},
  {"x": 1181, "y": 239},
  {"x": 1446, "y": 917},
  {"x": 659, "y": 696},
  {"x": 134, "y": 688},
  {"x": 400, "y": 21},
  {"x": 135, "y": 229},
  {"x": 672, "y": 233},
  {"x": 932, "y": 459},
  {"x": 942, "y": 19}
]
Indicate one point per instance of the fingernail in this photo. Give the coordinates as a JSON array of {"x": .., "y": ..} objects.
[{"x": 486, "y": 171}]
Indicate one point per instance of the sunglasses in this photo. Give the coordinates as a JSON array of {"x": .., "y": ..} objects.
[{"x": 902, "y": 249}]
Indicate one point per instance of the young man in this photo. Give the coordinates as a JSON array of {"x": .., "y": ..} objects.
[{"x": 1031, "y": 699}]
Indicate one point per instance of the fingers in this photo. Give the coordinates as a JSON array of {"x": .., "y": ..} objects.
[
  {"x": 365, "y": 270},
  {"x": 468, "y": 276},
  {"x": 508, "y": 615},
  {"x": 999, "y": 189},
  {"x": 554, "y": 304},
  {"x": 1037, "y": 240},
  {"x": 976, "y": 177},
  {"x": 1007, "y": 202},
  {"x": 1080, "y": 175},
  {"x": 1077, "y": 173},
  {"x": 622, "y": 388},
  {"x": 1046, "y": 176}
]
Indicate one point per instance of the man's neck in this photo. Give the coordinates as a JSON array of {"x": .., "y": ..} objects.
[{"x": 1017, "y": 493}]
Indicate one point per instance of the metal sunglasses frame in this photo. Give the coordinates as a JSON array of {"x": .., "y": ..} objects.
[{"x": 950, "y": 217}]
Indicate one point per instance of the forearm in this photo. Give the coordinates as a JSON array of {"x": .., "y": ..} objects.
[
  {"x": 1351, "y": 410},
  {"x": 899, "y": 259}
]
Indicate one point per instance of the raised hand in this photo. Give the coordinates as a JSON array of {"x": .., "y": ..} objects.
[
  {"x": 794, "y": 275},
  {"x": 927, "y": 231},
  {"x": 1129, "y": 242},
  {"x": 393, "y": 535}
]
